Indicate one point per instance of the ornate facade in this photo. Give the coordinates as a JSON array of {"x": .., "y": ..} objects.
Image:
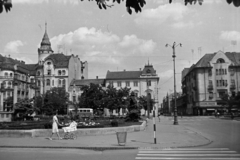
[{"x": 19, "y": 80}]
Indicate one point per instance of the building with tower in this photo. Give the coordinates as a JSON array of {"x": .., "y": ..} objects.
[{"x": 19, "y": 80}]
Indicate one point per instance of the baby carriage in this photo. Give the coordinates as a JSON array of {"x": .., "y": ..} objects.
[{"x": 70, "y": 131}]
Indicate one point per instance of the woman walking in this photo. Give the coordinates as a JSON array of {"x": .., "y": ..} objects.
[{"x": 55, "y": 126}]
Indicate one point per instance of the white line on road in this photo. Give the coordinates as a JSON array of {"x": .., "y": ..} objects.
[
  {"x": 172, "y": 152},
  {"x": 190, "y": 155},
  {"x": 184, "y": 149},
  {"x": 211, "y": 158}
]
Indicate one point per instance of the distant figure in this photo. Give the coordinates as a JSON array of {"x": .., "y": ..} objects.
[
  {"x": 159, "y": 116},
  {"x": 55, "y": 126},
  {"x": 232, "y": 116}
]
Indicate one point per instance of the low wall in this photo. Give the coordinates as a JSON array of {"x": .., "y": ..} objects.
[{"x": 79, "y": 132}]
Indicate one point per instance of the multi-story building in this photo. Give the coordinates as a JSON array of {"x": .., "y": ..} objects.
[
  {"x": 168, "y": 104},
  {"x": 20, "y": 80},
  {"x": 142, "y": 82},
  {"x": 205, "y": 82}
]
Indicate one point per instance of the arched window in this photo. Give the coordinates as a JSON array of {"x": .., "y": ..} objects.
[
  {"x": 48, "y": 82},
  {"x": 6, "y": 74},
  {"x": 11, "y": 74},
  {"x": 225, "y": 71},
  {"x": 48, "y": 63},
  {"x": 220, "y": 60},
  {"x": 52, "y": 82},
  {"x": 38, "y": 83},
  {"x": 38, "y": 73},
  {"x": 216, "y": 71}
]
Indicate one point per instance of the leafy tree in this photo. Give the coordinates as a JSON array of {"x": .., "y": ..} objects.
[
  {"x": 231, "y": 100},
  {"x": 91, "y": 97},
  {"x": 55, "y": 99},
  {"x": 24, "y": 107},
  {"x": 143, "y": 103},
  {"x": 7, "y": 4}
]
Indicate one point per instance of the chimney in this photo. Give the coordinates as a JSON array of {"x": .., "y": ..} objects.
[
  {"x": 124, "y": 70},
  {"x": 140, "y": 69},
  {"x": 96, "y": 77}
]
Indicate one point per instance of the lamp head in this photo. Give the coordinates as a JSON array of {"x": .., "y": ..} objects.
[
  {"x": 180, "y": 44},
  {"x": 166, "y": 45}
]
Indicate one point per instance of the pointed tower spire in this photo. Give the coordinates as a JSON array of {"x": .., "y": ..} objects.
[{"x": 45, "y": 44}]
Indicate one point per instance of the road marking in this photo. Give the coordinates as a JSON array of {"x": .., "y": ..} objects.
[
  {"x": 173, "y": 151},
  {"x": 217, "y": 158},
  {"x": 188, "y": 154}
]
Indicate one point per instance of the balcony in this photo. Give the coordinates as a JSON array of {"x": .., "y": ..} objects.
[
  {"x": 210, "y": 87},
  {"x": 6, "y": 77}
]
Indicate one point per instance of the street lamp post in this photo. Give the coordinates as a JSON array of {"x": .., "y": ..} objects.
[{"x": 175, "y": 104}]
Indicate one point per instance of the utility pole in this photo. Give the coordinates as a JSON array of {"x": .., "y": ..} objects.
[
  {"x": 148, "y": 100},
  {"x": 175, "y": 96}
]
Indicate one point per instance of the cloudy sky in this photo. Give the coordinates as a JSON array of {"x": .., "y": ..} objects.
[{"x": 114, "y": 40}]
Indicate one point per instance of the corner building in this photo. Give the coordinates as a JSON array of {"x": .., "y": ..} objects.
[{"x": 205, "y": 82}]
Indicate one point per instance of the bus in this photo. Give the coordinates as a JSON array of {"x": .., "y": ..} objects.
[{"x": 84, "y": 112}]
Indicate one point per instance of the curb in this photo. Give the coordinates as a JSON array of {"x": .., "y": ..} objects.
[{"x": 59, "y": 147}]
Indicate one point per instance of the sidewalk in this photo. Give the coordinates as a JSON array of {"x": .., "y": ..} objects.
[{"x": 167, "y": 134}]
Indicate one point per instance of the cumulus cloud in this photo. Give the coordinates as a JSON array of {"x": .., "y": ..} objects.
[
  {"x": 13, "y": 46},
  {"x": 102, "y": 46},
  {"x": 230, "y": 35},
  {"x": 174, "y": 11}
]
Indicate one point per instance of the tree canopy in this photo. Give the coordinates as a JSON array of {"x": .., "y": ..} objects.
[
  {"x": 7, "y": 4},
  {"x": 137, "y": 5},
  {"x": 231, "y": 100},
  {"x": 55, "y": 99}
]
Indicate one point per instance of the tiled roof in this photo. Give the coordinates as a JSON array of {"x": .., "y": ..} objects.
[
  {"x": 204, "y": 61},
  {"x": 123, "y": 75},
  {"x": 234, "y": 57},
  {"x": 60, "y": 60},
  {"x": 82, "y": 82}
]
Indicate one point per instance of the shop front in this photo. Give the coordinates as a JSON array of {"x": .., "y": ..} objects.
[{"x": 207, "y": 108}]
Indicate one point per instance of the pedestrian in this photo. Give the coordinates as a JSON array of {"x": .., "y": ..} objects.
[
  {"x": 232, "y": 116},
  {"x": 159, "y": 116},
  {"x": 55, "y": 126}
]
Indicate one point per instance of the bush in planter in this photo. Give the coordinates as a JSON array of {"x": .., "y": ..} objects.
[
  {"x": 114, "y": 123},
  {"x": 133, "y": 116},
  {"x": 48, "y": 125}
]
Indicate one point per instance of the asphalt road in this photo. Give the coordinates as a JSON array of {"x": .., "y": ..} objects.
[{"x": 225, "y": 135}]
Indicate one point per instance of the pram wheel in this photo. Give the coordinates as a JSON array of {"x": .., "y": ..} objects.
[{"x": 70, "y": 136}]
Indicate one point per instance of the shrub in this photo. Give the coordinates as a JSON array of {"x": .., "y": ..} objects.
[
  {"x": 114, "y": 123},
  {"x": 133, "y": 116}
]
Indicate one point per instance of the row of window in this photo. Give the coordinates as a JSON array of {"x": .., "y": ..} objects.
[
  {"x": 49, "y": 72},
  {"x": 221, "y": 71},
  {"x": 222, "y": 83},
  {"x": 61, "y": 82},
  {"x": 135, "y": 83}
]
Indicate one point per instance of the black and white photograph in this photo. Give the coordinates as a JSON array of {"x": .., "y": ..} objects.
[{"x": 120, "y": 79}]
